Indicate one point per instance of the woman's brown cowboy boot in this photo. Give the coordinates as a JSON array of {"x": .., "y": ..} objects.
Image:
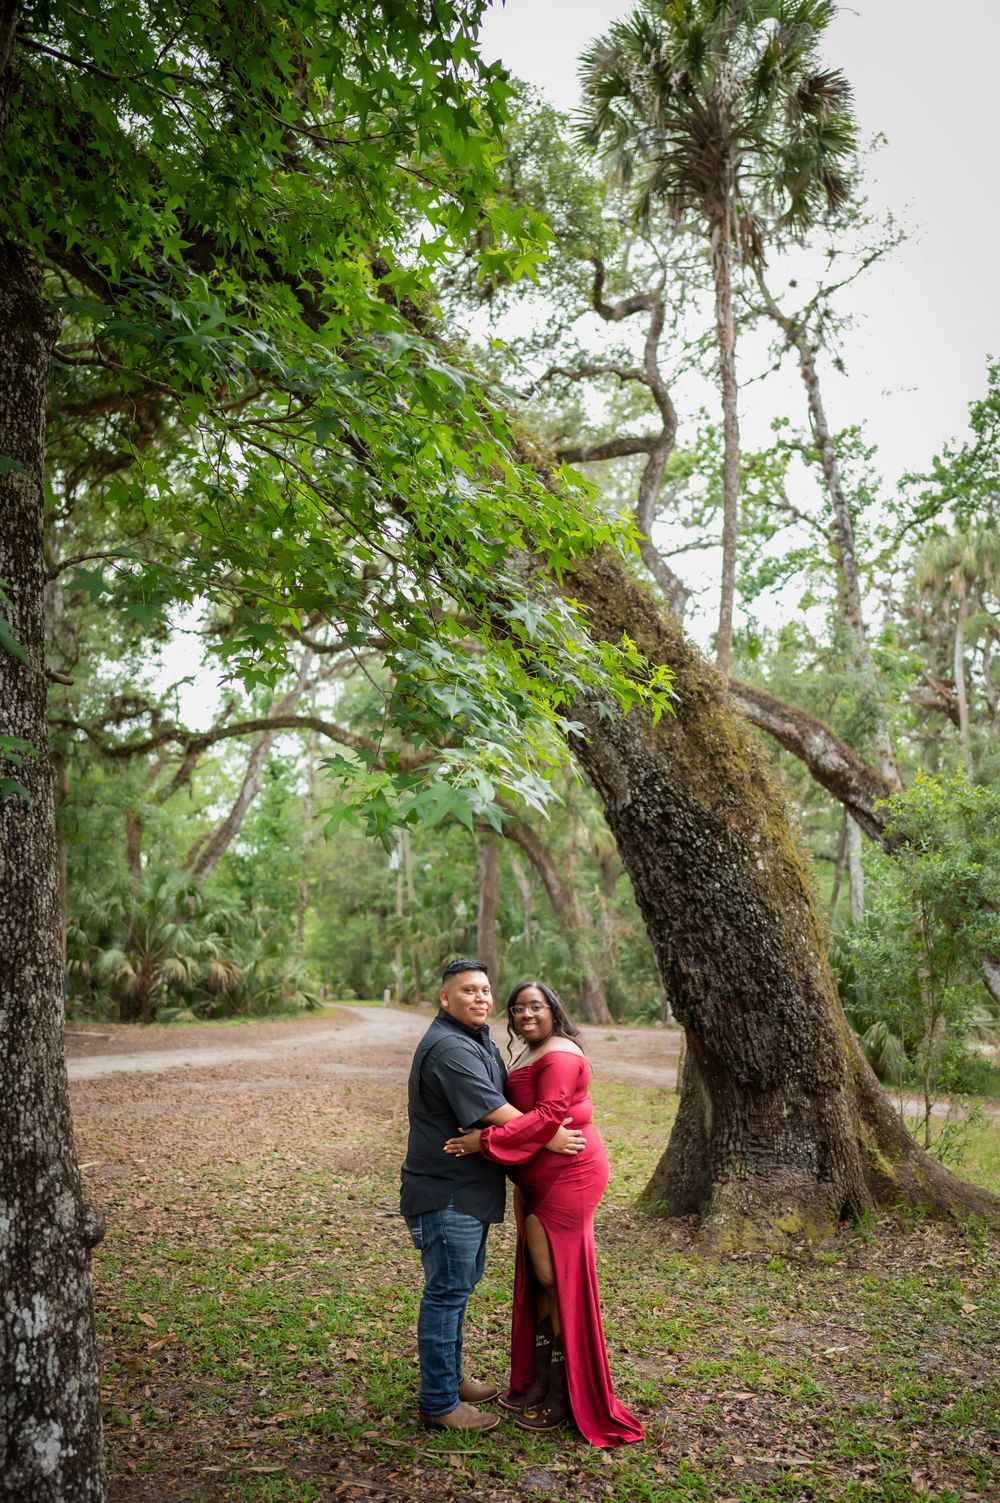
[
  {"x": 554, "y": 1410},
  {"x": 536, "y": 1390}
]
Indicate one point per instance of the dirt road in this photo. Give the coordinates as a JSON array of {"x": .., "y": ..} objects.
[
  {"x": 373, "y": 1042},
  {"x": 361, "y": 1040}
]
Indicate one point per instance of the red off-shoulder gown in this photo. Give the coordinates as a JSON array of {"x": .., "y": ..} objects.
[{"x": 563, "y": 1192}]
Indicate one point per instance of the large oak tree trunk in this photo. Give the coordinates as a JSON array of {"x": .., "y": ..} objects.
[
  {"x": 50, "y": 1400},
  {"x": 782, "y": 1128}
]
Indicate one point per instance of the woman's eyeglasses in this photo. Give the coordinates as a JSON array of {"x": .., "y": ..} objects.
[{"x": 517, "y": 1011}]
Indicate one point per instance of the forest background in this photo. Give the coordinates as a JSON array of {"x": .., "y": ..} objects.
[{"x": 205, "y": 845}]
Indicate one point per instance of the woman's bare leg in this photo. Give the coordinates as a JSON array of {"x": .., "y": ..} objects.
[{"x": 541, "y": 1260}]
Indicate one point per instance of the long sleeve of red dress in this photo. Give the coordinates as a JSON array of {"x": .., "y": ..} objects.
[{"x": 557, "y": 1078}]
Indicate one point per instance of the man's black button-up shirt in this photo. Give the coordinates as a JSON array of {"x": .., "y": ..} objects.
[{"x": 457, "y": 1078}]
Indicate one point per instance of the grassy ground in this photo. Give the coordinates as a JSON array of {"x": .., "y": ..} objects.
[{"x": 257, "y": 1300}]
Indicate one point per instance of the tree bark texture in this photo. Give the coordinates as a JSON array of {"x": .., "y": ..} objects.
[
  {"x": 782, "y": 1128},
  {"x": 593, "y": 1001},
  {"x": 50, "y": 1400}
]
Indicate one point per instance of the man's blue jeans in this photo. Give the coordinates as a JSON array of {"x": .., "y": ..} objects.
[{"x": 452, "y": 1248}]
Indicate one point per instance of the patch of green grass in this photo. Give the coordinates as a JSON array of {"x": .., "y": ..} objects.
[{"x": 259, "y": 1310}]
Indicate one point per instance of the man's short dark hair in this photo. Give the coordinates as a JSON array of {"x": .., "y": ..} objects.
[{"x": 456, "y": 967}]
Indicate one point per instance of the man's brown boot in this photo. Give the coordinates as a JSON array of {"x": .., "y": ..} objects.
[
  {"x": 477, "y": 1393},
  {"x": 463, "y": 1417}
]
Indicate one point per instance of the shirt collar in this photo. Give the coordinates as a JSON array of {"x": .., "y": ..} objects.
[{"x": 480, "y": 1034}]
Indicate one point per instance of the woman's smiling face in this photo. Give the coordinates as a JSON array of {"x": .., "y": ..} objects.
[{"x": 532, "y": 1016}]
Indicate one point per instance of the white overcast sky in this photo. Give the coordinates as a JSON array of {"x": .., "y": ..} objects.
[{"x": 924, "y": 75}]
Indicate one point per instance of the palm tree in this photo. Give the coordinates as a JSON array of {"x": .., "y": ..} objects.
[
  {"x": 715, "y": 111},
  {"x": 964, "y": 568}
]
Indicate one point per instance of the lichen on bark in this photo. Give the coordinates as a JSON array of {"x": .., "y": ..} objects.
[
  {"x": 782, "y": 1129},
  {"x": 50, "y": 1401}
]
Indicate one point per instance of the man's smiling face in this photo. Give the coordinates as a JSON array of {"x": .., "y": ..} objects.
[{"x": 467, "y": 997}]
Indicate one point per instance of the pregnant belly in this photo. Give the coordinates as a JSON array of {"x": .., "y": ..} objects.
[{"x": 571, "y": 1184}]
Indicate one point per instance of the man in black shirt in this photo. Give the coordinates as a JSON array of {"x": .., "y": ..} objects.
[{"x": 456, "y": 1080}]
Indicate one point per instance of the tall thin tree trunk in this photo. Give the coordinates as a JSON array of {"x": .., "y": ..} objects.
[
  {"x": 133, "y": 843},
  {"x": 797, "y": 339},
  {"x": 487, "y": 949},
  {"x": 855, "y": 872},
  {"x": 961, "y": 690},
  {"x": 50, "y": 1399},
  {"x": 397, "y": 954},
  {"x": 308, "y": 814},
  {"x": 411, "y": 900},
  {"x": 722, "y": 265},
  {"x": 593, "y": 999},
  {"x": 60, "y": 774},
  {"x": 847, "y": 560},
  {"x": 838, "y": 868},
  {"x": 527, "y": 895}
]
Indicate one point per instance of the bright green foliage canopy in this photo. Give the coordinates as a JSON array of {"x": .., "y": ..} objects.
[{"x": 239, "y": 208}]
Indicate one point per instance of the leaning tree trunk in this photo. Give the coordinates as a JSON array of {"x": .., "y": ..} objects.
[
  {"x": 722, "y": 265},
  {"x": 50, "y": 1399},
  {"x": 205, "y": 855},
  {"x": 782, "y": 1129}
]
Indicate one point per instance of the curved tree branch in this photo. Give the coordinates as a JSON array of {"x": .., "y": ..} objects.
[
  {"x": 851, "y": 780},
  {"x": 196, "y": 742},
  {"x": 611, "y": 448}
]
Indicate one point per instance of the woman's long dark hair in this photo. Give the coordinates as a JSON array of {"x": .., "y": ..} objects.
[{"x": 562, "y": 1024}]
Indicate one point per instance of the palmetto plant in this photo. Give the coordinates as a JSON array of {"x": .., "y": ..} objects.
[
  {"x": 161, "y": 949},
  {"x": 142, "y": 943},
  {"x": 716, "y": 112}
]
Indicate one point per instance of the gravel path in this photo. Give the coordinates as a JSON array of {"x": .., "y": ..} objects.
[{"x": 362, "y": 1039}]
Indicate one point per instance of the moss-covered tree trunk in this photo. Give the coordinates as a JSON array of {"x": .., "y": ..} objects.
[
  {"x": 49, "y": 1401},
  {"x": 782, "y": 1128}
]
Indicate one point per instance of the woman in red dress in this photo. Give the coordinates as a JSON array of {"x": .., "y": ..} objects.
[{"x": 559, "y": 1362}]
